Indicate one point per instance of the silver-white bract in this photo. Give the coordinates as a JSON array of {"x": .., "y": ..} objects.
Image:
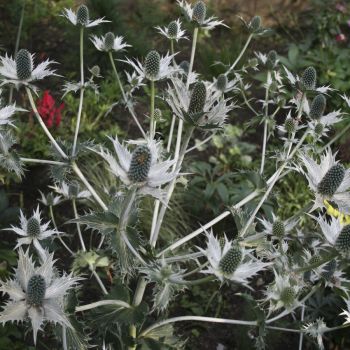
[
  {"x": 330, "y": 228},
  {"x": 179, "y": 35},
  {"x": 50, "y": 199},
  {"x": 118, "y": 44},
  {"x": 215, "y": 110},
  {"x": 64, "y": 190},
  {"x": 17, "y": 308},
  {"x": 214, "y": 253},
  {"x": 208, "y": 23},
  {"x": 158, "y": 175},
  {"x": 346, "y": 313},
  {"x": 289, "y": 224},
  {"x": 8, "y": 71},
  {"x": 166, "y": 70},
  {"x": 72, "y": 17},
  {"x": 327, "y": 121},
  {"x": 25, "y": 238},
  {"x": 316, "y": 330},
  {"x": 315, "y": 173}
]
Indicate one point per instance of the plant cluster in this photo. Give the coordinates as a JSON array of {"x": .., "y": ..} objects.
[{"x": 294, "y": 258}]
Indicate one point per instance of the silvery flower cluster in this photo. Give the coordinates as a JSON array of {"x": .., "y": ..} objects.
[{"x": 281, "y": 262}]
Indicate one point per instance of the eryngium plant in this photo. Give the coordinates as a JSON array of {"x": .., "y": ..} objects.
[{"x": 138, "y": 271}]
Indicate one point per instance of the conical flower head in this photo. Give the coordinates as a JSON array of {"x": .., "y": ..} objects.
[
  {"x": 315, "y": 259},
  {"x": 221, "y": 82},
  {"x": 198, "y": 98},
  {"x": 24, "y": 64},
  {"x": 140, "y": 164},
  {"x": 343, "y": 241},
  {"x": 95, "y": 71},
  {"x": 290, "y": 125},
  {"x": 308, "y": 79},
  {"x": 255, "y": 24},
  {"x": 157, "y": 114},
  {"x": 319, "y": 127},
  {"x": 33, "y": 227},
  {"x": 73, "y": 189},
  {"x": 152, "y": 65},
  {"x": 271, "y": 59},
  {"x": 231, "y": 260},
  {"x": 329, "y": 269},
  {"x": 288, "y": 296},
  {"x": 109, "y": 41},
  {"x": 199, "y": 12},
  {"x": 278, "y": 228},
  {"x": 36, "y": 289},
  {"x": 83, "y": 15},
  {"x": 332, "y": 180},
  {"x": 318, "y": 106},
  {"x": 173, "y": 29}
]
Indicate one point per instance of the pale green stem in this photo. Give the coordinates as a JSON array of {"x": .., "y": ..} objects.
[
  {"x": 171, "y": 132},
  {"x": 100, "y": 303},
  {"x": 171, "y": 186},
  {"x": 129, "y": 105},
  {"x": 247, "y": 102},
  {"x": 276, "y": 178},
  {"x": 152, "y": 125},
  {"x": 263, "y": 155},
  {"x": 201, "y": 143},
  {"x": 59, "y": 237},
  {"x": 42, "y": 124},
  {"x": 76, "y": 216},
  {"x": 77, "y": 127},
  {"x": 19, "y": 31},
  {"x": 88, "y": 186},
  {"x": 301, "y": 337},
  {"x": 64, "y": 337},
  {"x": 41, "y": 161},
  {"x": 250, "y": 37}
]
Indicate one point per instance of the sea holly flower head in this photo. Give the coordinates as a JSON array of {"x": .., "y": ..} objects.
[
  {"x": 32, "y": 230},
  {"x": 224, "y": 85},
  {"x": 142, "y": 167},
  {"x": 277, "y": 228},
  {"x": 229, "y": 261},
  {"x": 155, "y": 67},
  {"x": 173, "y": 31},
  {"x": 71, "y": 191},
  {"x": 328, "y": 179},
  {"x": 21, "y": 70},
  {"x": 36, "y": 293},
  {"x": 316, "y": 330},
  {"x": 109, "y": 42},
  {"x": 81, "y": 17},
  {"x": 283, "y": 292},
  {"x": 50, "y": 200},
  {"x": 202, "y": 106},
  {"x": 198, "y": 15}
]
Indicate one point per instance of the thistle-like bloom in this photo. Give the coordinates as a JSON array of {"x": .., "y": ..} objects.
[
  {"x": 202, "y": 106},
  {"x": 142, "y": 168},
  {"x": 109, "y": 42},
  {"x": 197, "y": 13},
  {"x": 337, "y": 235},
  {"x": 329, "y": 180},
  {"x": 224, "y": 85},
  {"x": 154, "y": 68},
  {"x": 229, "y": 261},
  {"x": 277, "y": 228},
  {"x": 50, "y": 199},
  {"x": 283, "y": 292},
  {"x": 173, "y": 31},
  {"x": 316, "y": 330},
  {"x": 21, "y": 70},
  {"x": 31, "y": 231},
  {"x": 37, "y": 293},
  {"x": 9, "y": 159},
  {"x": 321, "y": 126},
  {"x": 81, "y": 17},
  {"x": 71, "y": 191}
]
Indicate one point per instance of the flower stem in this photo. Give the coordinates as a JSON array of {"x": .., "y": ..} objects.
[
  {"x": 128, "y": 104},
  {"x": 152, "y": 125},
  {"x": 77, "y": 127},
  {"x": 88, "y": 186},
  {"x": 41, "y": 161},
  {"x": 64, "y": 337},
  {"x": 250, "y": 37},
  {"x": 76, "y": 216},
  {"x": 42, "y": 124},
  {"x": 265, "y": 123}
]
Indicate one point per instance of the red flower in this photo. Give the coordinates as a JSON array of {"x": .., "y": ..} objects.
[
  {"x": 48, "y": 111},
  {"x": 340, "y": 38}
]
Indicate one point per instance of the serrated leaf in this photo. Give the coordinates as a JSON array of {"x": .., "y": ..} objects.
[{"x": 103, "y": 222}]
